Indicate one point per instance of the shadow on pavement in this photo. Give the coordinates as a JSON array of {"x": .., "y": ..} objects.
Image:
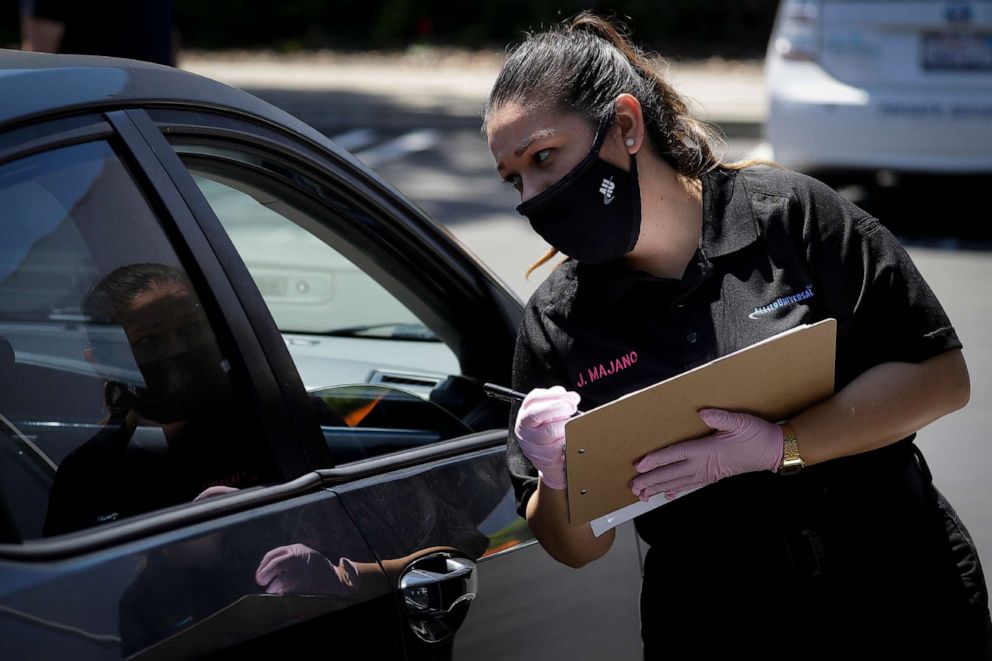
[
  {"x": 450, "y": 184},
  {"x": 940, "y": 211}
]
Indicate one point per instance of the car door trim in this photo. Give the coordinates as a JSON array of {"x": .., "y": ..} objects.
[
  {"x": 159, "y": 521},
  {"x": 484, "y": 440},
  {"x": 65, "y": 132},
  {"x": 187, "y": 514}
]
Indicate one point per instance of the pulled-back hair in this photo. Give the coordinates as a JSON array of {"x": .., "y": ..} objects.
[
  {"x": 109, "y": 299},
  {"x": 582, "y": 65}
]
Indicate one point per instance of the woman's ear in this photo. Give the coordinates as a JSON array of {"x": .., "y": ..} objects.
[{"x": 630, "y": 122}]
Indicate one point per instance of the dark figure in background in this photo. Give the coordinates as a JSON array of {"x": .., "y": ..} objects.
[
  {"x": 174, "y": 439},
  {"x": 135, "y": 29}
]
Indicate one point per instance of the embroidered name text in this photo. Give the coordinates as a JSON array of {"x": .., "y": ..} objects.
[{"x": 602, "y": 370}]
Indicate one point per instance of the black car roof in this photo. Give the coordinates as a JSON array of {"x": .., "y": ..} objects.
[
  {"x": 36, "y": 85},
  {"x": 39, "y": 84}
]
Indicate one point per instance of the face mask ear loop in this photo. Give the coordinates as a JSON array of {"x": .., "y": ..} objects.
[
  {"x": 635, "y": 194},
  {"x": 601, "y": 131}
]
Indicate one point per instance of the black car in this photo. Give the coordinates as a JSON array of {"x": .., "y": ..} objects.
[{"x": 240, "y": 396}]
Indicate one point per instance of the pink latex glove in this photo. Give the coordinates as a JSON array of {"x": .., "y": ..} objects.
[
  {"x": 299, "y": 569},
  {"x": 742, "y": 443},
  {"x": 540, "y": 428}
]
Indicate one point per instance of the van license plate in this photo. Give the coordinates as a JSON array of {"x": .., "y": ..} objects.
[{"x": 968, "y": 51}]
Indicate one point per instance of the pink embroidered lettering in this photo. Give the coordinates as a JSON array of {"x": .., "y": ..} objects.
[{"x": 615, "y": 365}]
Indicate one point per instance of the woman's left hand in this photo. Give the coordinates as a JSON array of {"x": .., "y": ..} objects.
[{"x": 741, "y": 443}]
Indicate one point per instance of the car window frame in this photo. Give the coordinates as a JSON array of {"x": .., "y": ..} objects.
[
  {"x": 349, "y": 179},
  {"x": 341, "y": 176},
  {"x": 43, "y": 136},
  {"x": 355, "y": 187},
  {"x": 256, "y": 380},
  {"x": 227, "y": 170}
]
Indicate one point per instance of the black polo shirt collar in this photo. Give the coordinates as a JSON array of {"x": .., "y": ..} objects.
[{"x": 724, "y": 199}]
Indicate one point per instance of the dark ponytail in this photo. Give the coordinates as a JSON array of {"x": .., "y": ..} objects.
[{"x": 583, "y": 65}]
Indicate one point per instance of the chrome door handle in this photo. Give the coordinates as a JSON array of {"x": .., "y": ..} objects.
[{"x": 437, "y": 591}]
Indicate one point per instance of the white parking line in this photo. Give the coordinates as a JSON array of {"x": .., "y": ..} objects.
[
  {"x": 408, "y": 143},
  {"x": 355, "y": 138}
]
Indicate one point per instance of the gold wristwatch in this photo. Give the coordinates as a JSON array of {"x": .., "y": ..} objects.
[{"x": 792, "y": 463}]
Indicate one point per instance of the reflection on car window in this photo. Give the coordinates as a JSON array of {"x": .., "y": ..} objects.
[
  {"x": 308, "y": 286},
  {"x": 360, "y": 421},
  {"x": 115, "y": 399},
  {"x": 341, "y": 326}
]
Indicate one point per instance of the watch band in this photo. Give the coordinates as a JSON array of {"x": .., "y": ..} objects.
[{"x": 792, "y": 462}]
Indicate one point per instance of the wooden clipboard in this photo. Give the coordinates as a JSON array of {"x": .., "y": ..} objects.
[{"x": 773, "y": 379}]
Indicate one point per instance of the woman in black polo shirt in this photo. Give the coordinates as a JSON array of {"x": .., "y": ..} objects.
[{"x": 678, "y": 258}]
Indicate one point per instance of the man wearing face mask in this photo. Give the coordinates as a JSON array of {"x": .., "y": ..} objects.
[{"x": 168, "y": 440}]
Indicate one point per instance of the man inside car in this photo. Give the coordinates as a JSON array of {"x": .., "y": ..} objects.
[{"x": 169, "y": 437}]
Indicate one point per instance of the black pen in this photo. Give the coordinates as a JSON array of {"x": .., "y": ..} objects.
[{"x": 499, "y": 392}]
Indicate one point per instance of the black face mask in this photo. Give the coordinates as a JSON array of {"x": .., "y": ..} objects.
[
  {"x": 593, "y": 213},
  {"x": 177, "y": 388}
]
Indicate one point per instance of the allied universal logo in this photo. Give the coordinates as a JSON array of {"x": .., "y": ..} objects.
[
  {"x": 782, "y": 302},
  {"x": 606, "y": 188}
]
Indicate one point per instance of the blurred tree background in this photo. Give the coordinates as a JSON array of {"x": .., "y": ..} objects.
[
  {"x": 684, "y": 28},
  {"x": 676, "y": 28}
]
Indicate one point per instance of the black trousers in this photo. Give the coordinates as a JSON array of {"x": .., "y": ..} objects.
[{"x": 886, "y": 573}]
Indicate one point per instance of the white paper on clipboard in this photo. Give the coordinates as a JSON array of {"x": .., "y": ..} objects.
[{"x": 614, "y": 519}]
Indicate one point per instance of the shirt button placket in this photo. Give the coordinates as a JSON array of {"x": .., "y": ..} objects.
[
  {"x": 689, "y": 320},
  {"x": 695, "y": 346}
]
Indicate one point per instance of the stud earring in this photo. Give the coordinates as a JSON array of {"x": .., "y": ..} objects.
[{"x": 629, "y": 142}]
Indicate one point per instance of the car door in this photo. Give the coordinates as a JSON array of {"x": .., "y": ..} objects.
[
  {"x": 135, "y": 521},
  {"x": 387, "y": 331}
]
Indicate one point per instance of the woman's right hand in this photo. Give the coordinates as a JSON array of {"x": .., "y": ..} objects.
[
  {"x": 540, "y": 428},
  {"x": 299, "y": 569}
]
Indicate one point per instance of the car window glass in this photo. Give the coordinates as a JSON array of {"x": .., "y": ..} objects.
[
  {"x": 115, "y": 398},
  {"x": 351, "y": 340},
  {"x": 308, "y": 286}
]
